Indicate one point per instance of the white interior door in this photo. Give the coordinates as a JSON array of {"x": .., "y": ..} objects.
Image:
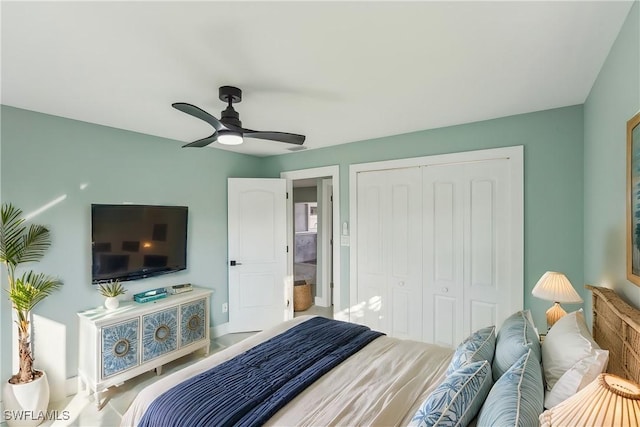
[
  {"x": 389, "y": 251},
  {"x": 326, "y": 243},
  {"x": 467, "y": 226},
  {"x": 258, "y": 283}
]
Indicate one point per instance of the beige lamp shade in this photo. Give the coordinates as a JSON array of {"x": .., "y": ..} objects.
[
  {"x": 554, "y": 286},
  {"x": 608, "y": 401}
]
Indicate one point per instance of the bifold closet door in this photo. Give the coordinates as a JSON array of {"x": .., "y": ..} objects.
[
  {"x": 466, "y": 249},
  {"x": 389, "y": 237}
]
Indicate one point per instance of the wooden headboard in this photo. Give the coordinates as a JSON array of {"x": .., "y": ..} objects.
[{"x": 616, "y": 327}]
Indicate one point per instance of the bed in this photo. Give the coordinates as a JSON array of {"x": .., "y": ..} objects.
[
  {"x": 399, "y": 382},
  {"x": 380, "y": 385}
]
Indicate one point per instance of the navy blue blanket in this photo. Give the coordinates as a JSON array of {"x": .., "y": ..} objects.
[{"x": 248, "y": 389}]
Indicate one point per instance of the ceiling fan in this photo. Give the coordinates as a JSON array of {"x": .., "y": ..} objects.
[{"x": 228, "y": 130}]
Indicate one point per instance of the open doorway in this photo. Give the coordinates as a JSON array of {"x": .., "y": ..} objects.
[
  {"x": 312, "y": 246},
  {"x": 327, "y": 292}
]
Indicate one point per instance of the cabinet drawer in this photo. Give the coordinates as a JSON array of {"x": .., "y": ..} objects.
[
  {"x": 159, "y": 333},
  {"x": 119, "y": 347},
  {"x": 192, "y": 318}
]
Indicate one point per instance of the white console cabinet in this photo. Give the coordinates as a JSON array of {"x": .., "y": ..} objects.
[{"x": 116, "y": 345}]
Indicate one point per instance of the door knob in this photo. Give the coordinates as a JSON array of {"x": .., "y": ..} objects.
[
  {"x": 445, "y": 290},
  {"x": 400, "y": 284}
]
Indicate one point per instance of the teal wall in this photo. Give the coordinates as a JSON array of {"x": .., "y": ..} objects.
[
  {"x": 553, "y": 174},
  {"x": 614, "y": 99},
  {"x": 46, "y": 157}
]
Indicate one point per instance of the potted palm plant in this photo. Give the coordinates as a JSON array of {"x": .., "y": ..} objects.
[{"x": 27, "y": 392}]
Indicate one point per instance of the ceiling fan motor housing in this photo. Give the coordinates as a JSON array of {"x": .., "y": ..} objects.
[{"x": 229, "y": 115}]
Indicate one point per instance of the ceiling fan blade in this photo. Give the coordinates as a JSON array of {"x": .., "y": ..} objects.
[
  {"x": 203, "y": 142},
  {"x": 289, "y": 138},
  {"x": 198, "y": 113}
]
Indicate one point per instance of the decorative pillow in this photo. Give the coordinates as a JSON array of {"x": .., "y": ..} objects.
[
  {"x": 576, "y": 378},
  {"x": 527, "y": 314},
  {"x": 567, "y": 342},
  {"x": 478, "y": 346},
  {"x": 457, "y": 400},
  {"x": 516, "y": 336},
  {"x": 516, "y": 399}
]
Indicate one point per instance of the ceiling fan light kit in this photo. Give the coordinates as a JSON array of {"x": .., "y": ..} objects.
[
  {"x": 230, "y": 138},
  {"x": 228, "y": 130}
]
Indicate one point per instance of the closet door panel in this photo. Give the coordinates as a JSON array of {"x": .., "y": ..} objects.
[
  {"x": 482, "y": 233},
  {"x": 466, "y": 244},
  {"x": 405, "y": 253},
  {"x": 446, "y": 320},
  {"x": 482, "y": 314},
  {"x": 487, "y": 290},
  {"x": 371, "y": 254},
  {"x": 443, "y": 257},
  {"x": 389, "y": 251}
]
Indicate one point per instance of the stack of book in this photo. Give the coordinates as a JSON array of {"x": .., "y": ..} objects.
[
  {"x": 150, "y": 295},
  {"x": 178, "y": 289}
]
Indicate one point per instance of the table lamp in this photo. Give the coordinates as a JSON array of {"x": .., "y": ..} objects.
[
  {"x": 555, "y": 287},
  {"x": 609, "y": 401}
]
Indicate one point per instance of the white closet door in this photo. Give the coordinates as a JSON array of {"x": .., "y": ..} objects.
[
  {"x": 467, "y": 222},
  {"x": 443, "y": 255},
  {"x": 390, "y": 252}
]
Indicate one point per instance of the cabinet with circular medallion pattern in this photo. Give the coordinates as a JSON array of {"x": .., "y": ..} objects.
[{"x": 116, "y": 345}]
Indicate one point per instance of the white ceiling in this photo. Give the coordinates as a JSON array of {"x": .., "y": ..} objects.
[{"x": 335, "y": 71}]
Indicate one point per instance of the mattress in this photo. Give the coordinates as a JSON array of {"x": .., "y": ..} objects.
[{"x": 382, "y": 384}]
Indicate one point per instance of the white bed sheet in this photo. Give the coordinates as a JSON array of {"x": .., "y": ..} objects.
[{"x": 382, "y": 385}]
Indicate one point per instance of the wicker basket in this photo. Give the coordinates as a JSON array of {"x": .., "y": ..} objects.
[{"x": 301, "y": 295}]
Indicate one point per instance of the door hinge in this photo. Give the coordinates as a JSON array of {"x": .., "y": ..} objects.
[
  {"x": 332, "y": 198},
  {"x": 287, "y": 248},
  {"x": 287, "y": 195},
  {"x": 288, "y": 302}
]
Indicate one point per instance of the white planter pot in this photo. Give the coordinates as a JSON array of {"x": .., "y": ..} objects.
[
  {"x": 25, "y": 404},
  {"x": 111, "y": 303}
]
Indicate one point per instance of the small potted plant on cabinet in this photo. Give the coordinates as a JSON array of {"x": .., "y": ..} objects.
[
  {"x": 27, "y": 392},
  {"x": 111, "y": 291}
]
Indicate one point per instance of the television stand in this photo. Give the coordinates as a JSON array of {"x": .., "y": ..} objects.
[{"x": 117, "y": 345}]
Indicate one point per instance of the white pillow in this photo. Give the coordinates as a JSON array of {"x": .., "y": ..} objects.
[
  {"x": 567, "y": 342},
  {"x": 577, "y": 377}
]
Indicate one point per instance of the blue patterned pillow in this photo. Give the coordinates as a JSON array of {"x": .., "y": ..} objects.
[
  {"x": 457, "y": 400},
  {"x": 478, "y": 346},
  {"x": 516, "y": 336},
  {"x": 516, "y": 399}
]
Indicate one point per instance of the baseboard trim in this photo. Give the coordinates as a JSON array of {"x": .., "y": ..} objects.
[
  {"x": 220, "y": 330},
  {"x": 71, "y": 386},
  {"x": 321, "y": 302}
]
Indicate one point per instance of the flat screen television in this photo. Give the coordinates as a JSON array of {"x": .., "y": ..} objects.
[{"x": 130, "y": 242}]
